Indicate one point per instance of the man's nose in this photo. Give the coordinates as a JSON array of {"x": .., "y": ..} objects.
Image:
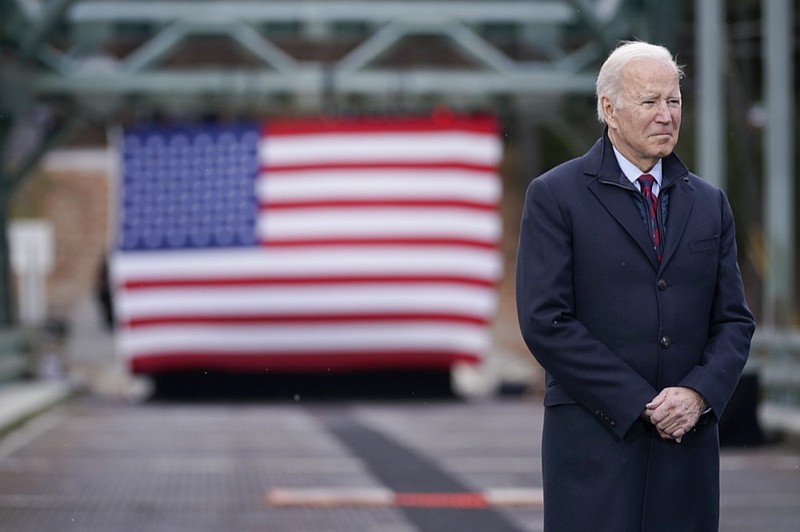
[{"x": 662, "y": 112}]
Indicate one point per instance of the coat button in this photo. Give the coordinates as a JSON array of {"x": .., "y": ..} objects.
[
  {"x": 661, "y": 284},
  {"x": 665, "y": 342}
]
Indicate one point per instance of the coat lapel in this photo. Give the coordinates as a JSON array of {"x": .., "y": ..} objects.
[
  {"x": 613, "y": 190},
  {"x": 618, "y": 202},
  {"x": 681, "y": 201}
]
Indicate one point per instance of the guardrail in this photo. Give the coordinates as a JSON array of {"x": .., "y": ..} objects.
[
  {"x": 777, "y": 354},
  {"x": 14, "y": 351}
]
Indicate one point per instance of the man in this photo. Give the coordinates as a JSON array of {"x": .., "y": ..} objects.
[{"x": 630, "y": 297}]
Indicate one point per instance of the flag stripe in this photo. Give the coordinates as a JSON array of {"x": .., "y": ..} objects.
[
  {"x": 383, "y": 280},
  {"x": 349, "y": 184},
  {"x": 342, "y": 128},
  {"x": 303, "y": 262},
  {"x": 372, "y": 242},
  {"x": 253, "y": 319},
  {"x": 380, "y": 167},
  {"x": 380, "y": 203},
  {"x": 376, "y": 222},
  {"x": 275, "y": 361},
  {"x": 379, "y": 148},
  {"x": 320, "y": 338},
  {"x": 431, "y": 149},
  {"x": 376, "y": 298}
]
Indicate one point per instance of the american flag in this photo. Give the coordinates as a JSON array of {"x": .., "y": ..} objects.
[{"x": 308, "y": 245}]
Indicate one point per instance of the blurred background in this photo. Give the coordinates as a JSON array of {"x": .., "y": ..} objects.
[
  {"x": 76, "y": 74},
  {"x": 517, "y": 76}
]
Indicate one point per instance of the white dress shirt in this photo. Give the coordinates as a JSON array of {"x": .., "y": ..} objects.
[{"x": 632, "y": 172}]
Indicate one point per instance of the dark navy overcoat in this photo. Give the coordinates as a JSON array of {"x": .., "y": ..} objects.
[{"x": 612, "y": 327}]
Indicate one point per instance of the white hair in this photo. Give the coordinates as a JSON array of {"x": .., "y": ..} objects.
[{"x": 609, "y": 79}]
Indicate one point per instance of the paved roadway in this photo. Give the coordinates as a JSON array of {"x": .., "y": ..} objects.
[
  {"x": 343, "y": 455},
  {"x": 372, "y": 465}
]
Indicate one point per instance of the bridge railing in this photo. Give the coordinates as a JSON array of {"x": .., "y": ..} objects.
[
  {"x": 776, "y": 358},
  {"x": 15, "y": 359}
]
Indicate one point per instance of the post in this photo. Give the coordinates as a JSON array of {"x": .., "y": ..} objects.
[
  {"x": 780, "y": 374},
  {"x": 709, "y": 28},
  {"x": 32, "y": 256},
  {"x": 779, "y": 167},
  {"x": 7, "y": 318}
]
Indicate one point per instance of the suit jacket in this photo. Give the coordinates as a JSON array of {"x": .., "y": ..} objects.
[{"x": 612, "y": 327}]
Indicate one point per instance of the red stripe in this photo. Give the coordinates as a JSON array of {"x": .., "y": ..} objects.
[
  {"x": 488, "y": 171},
  {"x": 485, "y": 124},
  {"x": 156, "y": 362},
  {"x": 442, "y": 500},
  {"x": 144, "y": 284},
  {"x": 370, "y": 242},
  {"x": 265, "y": 319},
  {"x": 381, "y": 203}
]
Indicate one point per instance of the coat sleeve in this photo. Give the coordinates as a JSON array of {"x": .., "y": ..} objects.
[
  {"x": 731, "y": 325},
  {"x": 582, "y": 366}
]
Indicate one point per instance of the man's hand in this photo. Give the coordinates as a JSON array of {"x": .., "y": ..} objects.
[{"x": 674, "y": 412}]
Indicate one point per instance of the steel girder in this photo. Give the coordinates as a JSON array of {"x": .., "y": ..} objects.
[{"x": 557, "y": 42}]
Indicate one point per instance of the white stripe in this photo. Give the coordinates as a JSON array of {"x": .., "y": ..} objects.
[
  {"x": 353, "y": 338},
  {"x": 330, "y": 497},
  {"x": 514, "y": 496},
  {"x": 356, "y": 184},
  {"x": 374, "y": 260},
  {"x": 290, "y": 300},
  {"x": 380, "y": 222},
  {"x": 380, "y": 147}
]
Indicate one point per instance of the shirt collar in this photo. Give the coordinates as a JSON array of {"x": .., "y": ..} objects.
[{"x": 632, "y": 172}]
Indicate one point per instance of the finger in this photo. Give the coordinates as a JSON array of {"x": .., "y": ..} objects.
[
  {"x": 661, "y": 415},
  {"x": 657, "y": 401},
  {"x": 674, "y": 427}
]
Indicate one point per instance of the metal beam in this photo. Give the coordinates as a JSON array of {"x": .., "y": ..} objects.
[
  {"x": 32, "y": 159},
  {"x": 778, "y": 34},
  {"x": 592, "y": 19},
  {"x": 376, "y": 11},
  {"x": 478, "y": 48},
  {"x": 309, "y": 79},
  {"x": 249, "y": 39},
  {"x": 709, "y": 33},
  {"x": 495, "y": 73},
  {"x": 156, "y": 48},
  {"x": 372, "y": 48},
  {"x": 52, "y": 14}
]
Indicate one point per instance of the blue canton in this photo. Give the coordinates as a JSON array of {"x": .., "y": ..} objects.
[{"x": 188, "y": 188}]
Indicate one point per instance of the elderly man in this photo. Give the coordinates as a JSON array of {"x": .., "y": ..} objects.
[{"x": 630, "y": 297}]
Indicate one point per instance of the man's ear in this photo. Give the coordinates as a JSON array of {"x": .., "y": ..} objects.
[{"x": 608, "y": 111}]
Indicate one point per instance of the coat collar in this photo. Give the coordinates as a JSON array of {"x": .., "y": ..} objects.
[
  {"x": 612, "y": 189},
  {"x": 601, "y": 163}
]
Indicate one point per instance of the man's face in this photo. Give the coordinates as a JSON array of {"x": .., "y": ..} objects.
[{"x": 644, "y": 126}]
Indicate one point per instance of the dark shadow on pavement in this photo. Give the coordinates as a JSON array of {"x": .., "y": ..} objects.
[{"x": 222, "y": 386}]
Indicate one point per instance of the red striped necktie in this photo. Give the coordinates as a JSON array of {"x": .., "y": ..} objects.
[{"x": 646, "y": 181}]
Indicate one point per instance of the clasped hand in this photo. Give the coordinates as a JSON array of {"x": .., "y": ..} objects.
[{"x": 674, "y": 412}]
